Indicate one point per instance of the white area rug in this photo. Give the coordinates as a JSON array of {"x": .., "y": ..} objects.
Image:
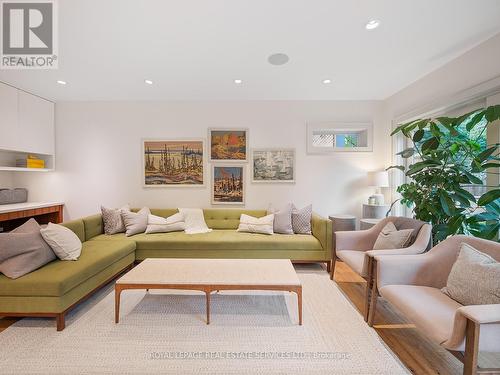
[{"x": 166, "y": 333}]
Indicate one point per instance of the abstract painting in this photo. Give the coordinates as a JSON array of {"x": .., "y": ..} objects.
[
  {"x": 173, "y": 163},
  {"x": 273, "y": 165},
  {"x": 228, "y": 185},
  {"x": 228, "y": 144}
]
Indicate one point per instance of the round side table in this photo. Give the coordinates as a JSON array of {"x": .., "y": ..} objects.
[{"x": 340, "y": 222}]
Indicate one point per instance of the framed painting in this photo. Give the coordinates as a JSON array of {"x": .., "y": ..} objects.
[
  {"x": 173, "y": 163},
  {"x": 228, "y": 145},
  {"x": 228, "y": 184},
  {"x": 273, "y": 165}
]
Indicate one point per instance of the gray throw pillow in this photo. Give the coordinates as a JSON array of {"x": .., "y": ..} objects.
[
  {"x": 135, "y": 222},
  {"x": 23, "y": 250},
  {"x": 301, "y": 219},
  {"x": 474, "y": 278},
  {"x": 112, "y": 219},
  {"x": 283, "y": 220}
]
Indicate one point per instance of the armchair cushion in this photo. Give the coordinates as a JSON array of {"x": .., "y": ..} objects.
[
  {"x": 356, "y": 260},
  {"x": 428, "y": 308},
  {"x": 391, "y": 238},
  {"x": 474, "y": 278}
]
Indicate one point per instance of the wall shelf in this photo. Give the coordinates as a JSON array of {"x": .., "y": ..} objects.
[{"x": 18, "y": 169}]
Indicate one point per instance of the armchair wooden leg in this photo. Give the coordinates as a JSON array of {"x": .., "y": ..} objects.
[
  {"x": 471, "y": 348},
  {"x": 332, "y": 267},
  {"x": 372, "y": 305},
  {"x": 329, "y": 266}
]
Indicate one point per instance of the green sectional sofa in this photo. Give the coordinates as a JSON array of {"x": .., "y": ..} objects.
[{"x": 55, "y": 288}]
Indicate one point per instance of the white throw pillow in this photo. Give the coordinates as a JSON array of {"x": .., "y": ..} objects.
[
  {"x": 65, "y": 244},
  {"x": 158, "y": 224},
  {"x": 391, "y": 238},
  {"x": 195, "y": 221},
  {"x": 252, "y": 224}
]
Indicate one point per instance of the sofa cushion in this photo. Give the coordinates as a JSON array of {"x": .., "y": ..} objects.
[
  {"x": 77, "y": 227},
  {"x": 219, "y": 240},
  {"x": 59, "y": 277},
  {"x": 432, "y": 311},
  {"x": 217, "y": 218},
  {"x": 356, "y": 260}
]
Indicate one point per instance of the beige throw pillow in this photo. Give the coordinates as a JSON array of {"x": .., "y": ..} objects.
[
  {"x": 135, "y": 222},
  {"x": 63, "y": 241},
  {"x": 474, "y": 278},
  {"x": 158, "y": 224},
  {"x": 23, "y": 250},
  {"x": 391, "y": 238},
  {"x": 250, "y": 224}
]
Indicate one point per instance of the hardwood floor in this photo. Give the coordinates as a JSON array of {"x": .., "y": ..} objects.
[{"x": 419, "y": 355}]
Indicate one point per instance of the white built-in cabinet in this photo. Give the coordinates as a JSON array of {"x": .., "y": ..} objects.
[{"x": 26, "y": 128}]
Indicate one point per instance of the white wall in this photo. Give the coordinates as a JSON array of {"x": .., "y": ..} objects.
[
  {"x": 471, "y": 69},
  {"x": 99, "y": 161},
  {"x": 6, "y": 180}
]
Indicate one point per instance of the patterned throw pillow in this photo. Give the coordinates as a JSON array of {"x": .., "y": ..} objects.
[
  {"x": 112, "y": 219},
  {"x": 301, "y": 220},
  {"x": 474, "y": 278}
]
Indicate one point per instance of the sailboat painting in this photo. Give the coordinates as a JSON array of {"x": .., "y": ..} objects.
[
  {"x": 273, "y": 165},
  {"x": 176, "y": 163}
]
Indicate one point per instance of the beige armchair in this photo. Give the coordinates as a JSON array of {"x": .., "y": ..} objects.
[
  {"x": 355, "y": 248},
  {"x": 412, "y": 284}
]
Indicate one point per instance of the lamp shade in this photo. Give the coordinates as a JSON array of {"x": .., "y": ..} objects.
[{"x": 378, "y": 178}]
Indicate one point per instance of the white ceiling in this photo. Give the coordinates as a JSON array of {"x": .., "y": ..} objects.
[{"x": 195, "y": 49}]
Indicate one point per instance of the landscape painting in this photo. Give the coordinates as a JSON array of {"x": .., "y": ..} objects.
[
  {"x": 228, "y": 144},
  {"x": 228, "y": 185},
  {"x": 273, "y": 165},
  {"x": 173, "y": 163}
]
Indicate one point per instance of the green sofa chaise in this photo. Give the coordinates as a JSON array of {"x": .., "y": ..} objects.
[{"x": 54, "y": 289}]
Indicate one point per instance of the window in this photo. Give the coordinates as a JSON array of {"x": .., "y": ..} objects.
[{"x": 338, "y": 137}]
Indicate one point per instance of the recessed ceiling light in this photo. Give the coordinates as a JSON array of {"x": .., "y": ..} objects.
[
  {"x": 327, "y": 81},
  {"x": 148, "y": 81},
  {"x": 372, "y": 24},
  {"x": 238, "y": 81},
  {"x": 278, "y": 59},
  {"x": 61, "y": 82}
]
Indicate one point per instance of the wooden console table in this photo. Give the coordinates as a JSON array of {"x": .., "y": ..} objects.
[{"x": 13, "y": 215}]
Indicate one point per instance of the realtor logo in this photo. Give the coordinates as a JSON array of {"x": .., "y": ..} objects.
[{"x": 29, "y": 38}]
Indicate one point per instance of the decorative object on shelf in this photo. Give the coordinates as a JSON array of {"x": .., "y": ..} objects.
[
  {"x": 228, "y": 185},
  {"x": 31, "y": 161},
  {"x": 379, "y": 179},
  {"x": 375, "y": 211},
  {"x": 273, "y": 165},
  {"x": 178, "y": 163},
  {"x": 452, "y": 153},
  {"x": 228, "y": 145},
  {"x": 9, "y": 196},
  {"x": 367, "y": 223}
]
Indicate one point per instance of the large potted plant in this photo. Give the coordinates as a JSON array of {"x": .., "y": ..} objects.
[{"x": 448, "y": 157}]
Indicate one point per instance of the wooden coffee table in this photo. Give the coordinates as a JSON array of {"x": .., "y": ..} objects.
[{"x": 209, "y": 275}]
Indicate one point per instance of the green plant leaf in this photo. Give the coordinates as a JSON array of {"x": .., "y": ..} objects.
[
  {"x": 493, "y": 113},
  {"x": 430, "y": 144},
  {"x": 419, "y": 134},
  {"x": 406, "y": 153},
  {"x": 446, "y": 204},
  {"x": 460, "y": 198},
  {"x": 486, "y": 216},
  {"x": 493, "y": 207},
  {"x": 465, "y": 194},
  {"x": 489, "y": 232},
  {"x": 417, "y": 167},
  {"x": 476, "y": 119},
  {"x": 400, "y": 167},
  {"x": 484, "y": 155},
  {"x": 490, "y": 165},
  {"x": 473, "y": 179},
  {"x": 488, "y": 197}
]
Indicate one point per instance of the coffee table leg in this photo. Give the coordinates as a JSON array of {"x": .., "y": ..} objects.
[
  {"x": 117, "y": 303},
  {"x": 299, "y": 303},
  {"x": 208, "y": 306}
]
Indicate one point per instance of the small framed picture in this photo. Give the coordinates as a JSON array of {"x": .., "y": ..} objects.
[
  {"x": 228, "y": 145},
  {"x": 273, "y": 165},
  {"x": 228, "y": 184}
]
